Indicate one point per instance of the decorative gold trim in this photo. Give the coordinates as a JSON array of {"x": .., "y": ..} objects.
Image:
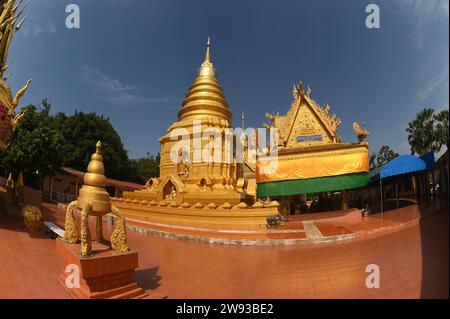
[
  {"x": 71, "y": 231},
  {"x": 119, "y": 234},
  {"x": 85, "y": 234}
]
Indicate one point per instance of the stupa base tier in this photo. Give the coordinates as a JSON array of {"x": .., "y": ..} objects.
[
  {"x": 107, "y": 274},
  {"x": 242, "y": 218},
  {"x": 219, "y": 198}
]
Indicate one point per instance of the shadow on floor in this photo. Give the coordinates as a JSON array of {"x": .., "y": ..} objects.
[{"x": 148, "y": 279}]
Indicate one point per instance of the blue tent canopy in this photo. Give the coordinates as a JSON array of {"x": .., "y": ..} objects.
[
  {"x": 428, "y": 158},
  {"x": 403, "y": 165}
]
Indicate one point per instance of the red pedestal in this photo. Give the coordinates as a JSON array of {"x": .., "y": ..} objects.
[{"x": 107, "y": 274}]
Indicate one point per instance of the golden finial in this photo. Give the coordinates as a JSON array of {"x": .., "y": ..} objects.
[
  {"x": 208, "y": 47},
  {"x": 308, "y": 92},
  {"x": 207, "y": 68},
  {"x": 295, "y": 92},
  {"x": 98, "y": 148},
  {"x": 10, "y": 181}
]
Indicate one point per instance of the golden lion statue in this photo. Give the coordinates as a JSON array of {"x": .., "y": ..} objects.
[{"x": 32, "y": 218}]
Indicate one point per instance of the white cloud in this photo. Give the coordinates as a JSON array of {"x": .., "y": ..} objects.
[
  {"x": 36, "y": 29},
  {"x": 113, "y": 90},
  {"x": 439, "y": 81},
  {"x": 420, "y": 13}
]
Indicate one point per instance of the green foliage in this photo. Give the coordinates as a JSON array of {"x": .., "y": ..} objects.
[
  {"x": 385, "y": 155},
  {"x": 441, "y": 131},
  {"x": 81, "y": 132},
  {"x": 147, "y": 167},
  {"x": 421, "y": 132},
  {"x": 36, "y": 146},
  {"x": 44, "y": 143}
]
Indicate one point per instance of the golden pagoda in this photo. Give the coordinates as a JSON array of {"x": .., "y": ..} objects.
[
  {"x": 197, "y": 181},
  {"x": 310, "y": 158}
]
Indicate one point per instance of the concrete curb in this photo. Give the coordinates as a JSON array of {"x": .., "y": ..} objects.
[{"x": 242, "y": 242}]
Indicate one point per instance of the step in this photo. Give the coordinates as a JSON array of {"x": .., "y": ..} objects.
[
  {"x": 129, "y": 294},
  {"x": 111, "y": 293}
]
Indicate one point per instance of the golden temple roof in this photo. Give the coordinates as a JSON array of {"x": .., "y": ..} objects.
[{"x": 205, "y": 97}]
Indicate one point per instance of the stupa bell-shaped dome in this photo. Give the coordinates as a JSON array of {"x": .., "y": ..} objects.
[
  {"x": 205, "y": 97},
  {"x": 94, "y": 185},
  {"x": 95, "y": 175}
]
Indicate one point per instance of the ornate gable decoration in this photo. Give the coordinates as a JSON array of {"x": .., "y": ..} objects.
[
  {"x": 10, "y": 22},
  {"x": 306, "y": 123}
]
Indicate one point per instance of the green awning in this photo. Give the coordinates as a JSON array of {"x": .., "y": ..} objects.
[{"x": 312, "y": 185}]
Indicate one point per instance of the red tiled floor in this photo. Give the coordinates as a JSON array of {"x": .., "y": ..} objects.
[
  {"x": 29, "y": 266},
  {"x": 413, "y": 262}
]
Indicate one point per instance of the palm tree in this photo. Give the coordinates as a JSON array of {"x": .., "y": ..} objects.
[
  {"x": 421, "y": 132},
  {"x": 441, "y": 131}
]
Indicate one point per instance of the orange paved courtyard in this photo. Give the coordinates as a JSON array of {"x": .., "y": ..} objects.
[{"x": 413, "y": 262}]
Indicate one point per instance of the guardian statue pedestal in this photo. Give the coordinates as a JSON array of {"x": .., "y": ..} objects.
[{"x": 107, "y": 274}]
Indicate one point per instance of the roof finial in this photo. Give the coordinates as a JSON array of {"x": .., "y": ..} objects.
[{"x": 208, "y": 46}]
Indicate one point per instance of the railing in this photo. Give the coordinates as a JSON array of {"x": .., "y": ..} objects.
[{"x": 58, "y": 197}]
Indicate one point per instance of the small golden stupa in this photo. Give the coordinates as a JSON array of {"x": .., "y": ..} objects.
[
  {"x": 94, "y": 200},
  {"x": 94, "y": 186},
  {"x": 94, "y": 190}
]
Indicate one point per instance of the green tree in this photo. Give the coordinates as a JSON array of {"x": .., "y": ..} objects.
[
  {"x": 36, "y": 147},
  {"x": 43, "y": 143},
  {"x": 385, "y": 155},
  {"x": 81, "y": 132},
  {"x": 421, "y": 132},
  {"x": 441, "y": 130},
  {"x": 46, "y": 106},
  {"x": 147, "y": 167}
]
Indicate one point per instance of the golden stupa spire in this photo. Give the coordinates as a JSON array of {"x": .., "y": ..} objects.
[
  {"x": 207, "y": 67},
  {"x": 205, "y": 97},
  {"x": 208, "y": 53}
]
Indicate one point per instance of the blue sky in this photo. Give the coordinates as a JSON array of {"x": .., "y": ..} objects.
[{"x": 133, "y": 61}]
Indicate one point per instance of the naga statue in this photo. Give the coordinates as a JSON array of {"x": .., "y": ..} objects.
[
  {"x": 10, "y": 13},
  {"x": 361, "y": 133},
  {"x": 86, "y": 244},
  {"x": 118, "y": 236},
  {"x": 71, "y": 232}
]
